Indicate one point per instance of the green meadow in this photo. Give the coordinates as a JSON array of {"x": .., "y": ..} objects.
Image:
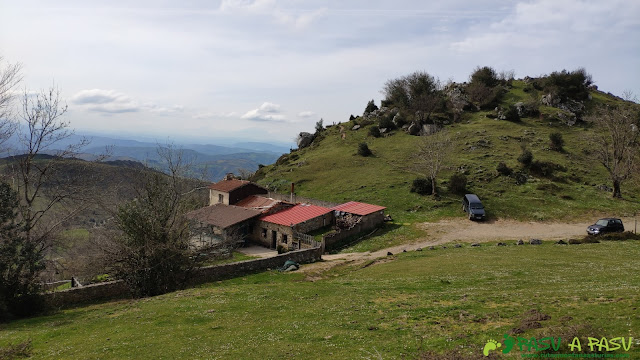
[{"x": 430, "y": 303}]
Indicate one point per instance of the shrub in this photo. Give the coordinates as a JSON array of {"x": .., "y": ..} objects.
[
  {"x": 422, "y": 186},
  {"x": 503, "y": 169},
  {"x": 545, "y": 168},
  {"x": 371, "y": 107},
  {"x": 363, "y": 150},
  {"x": 511, "y": 114},
  {"x": 521, "y": 178},
  {"x": 484, "y": 75},
  {"x": 386, "y": 122},
  {"x": 483, "y": 96},
  {"x": 557, "y": 142},
  {"x": 458, "y": 183},
  {"x": 526, "y": 158},
  {"x": 568, "y": 85},
  {"x": 374, "y": 131}
]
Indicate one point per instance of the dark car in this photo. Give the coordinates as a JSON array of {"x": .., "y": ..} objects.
[
  {"x": 605, "y": 226},
  {"x": 472, "y": 205}
]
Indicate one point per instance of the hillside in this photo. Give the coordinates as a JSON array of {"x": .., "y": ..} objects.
[{"x": 330, "y": 168}]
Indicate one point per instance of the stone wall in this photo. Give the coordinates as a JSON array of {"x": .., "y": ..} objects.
[
  {"x": 117, "y": 289},
  {"x": 102, "y": 291}
]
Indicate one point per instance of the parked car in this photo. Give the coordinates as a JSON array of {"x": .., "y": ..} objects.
[
  {"x": 605, "y": 226},
  {"x": 472, "y": 205}
]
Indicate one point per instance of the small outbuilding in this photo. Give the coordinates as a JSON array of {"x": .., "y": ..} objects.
[
  {"x": 370, "y": 215},
  {"x": 230, "y": 191},
  {"x": 221, "y": 224},
  {"x": 285, "y": 227}
]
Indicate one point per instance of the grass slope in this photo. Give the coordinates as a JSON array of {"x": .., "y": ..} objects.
[
  {"x": 330, "y": 169},
  {"x": 438, "y": 301}
]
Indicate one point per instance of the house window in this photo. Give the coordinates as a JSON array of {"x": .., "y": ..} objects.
[
  {"x": 264, "y": 232},
  {"x": 284, "y": 238},
  {"x": 220, "y": 198}
]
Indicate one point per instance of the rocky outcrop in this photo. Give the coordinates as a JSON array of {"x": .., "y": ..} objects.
[{"x": 305, "y": 139}]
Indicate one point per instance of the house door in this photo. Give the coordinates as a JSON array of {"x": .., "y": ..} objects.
[{"x": 274, "y": 236}]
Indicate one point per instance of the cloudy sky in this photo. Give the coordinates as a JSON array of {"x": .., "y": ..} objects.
[{"x": 268, "y": 69}]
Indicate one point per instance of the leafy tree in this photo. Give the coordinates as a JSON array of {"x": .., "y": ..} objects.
[
  {"x": 151, "y": 253},
  {"x": 319, "y": 126},
  {"x": 418, "y": 92},
  {"x": 21, "y": 261},
  {"x": 616, "y": 139},
  {"x": 371, "y": 107},
  {"x": 431, "y": 155},
  {"x": 485, "y": 75},
  {"x": 568, "y": 84}
]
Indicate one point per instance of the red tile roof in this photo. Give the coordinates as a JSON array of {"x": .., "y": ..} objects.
[
  {"x": 222, "y": 215},
  {"x": 228, "y": 185},
  {"x": 257, "y": 202},
  {"x": 358, "y": 208},
  {"x": 296, "y": 215}
]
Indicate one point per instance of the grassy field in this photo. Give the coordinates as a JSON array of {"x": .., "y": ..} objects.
[{"x": 436, "y": 301}]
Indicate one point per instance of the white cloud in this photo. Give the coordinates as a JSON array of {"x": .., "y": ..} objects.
[
  {"x": 306, "y": 114},
  {"x": 266, "y": 112},
  {"x": 214, "y": 115},
  {"x": 111, "y": 101},
  {"x": 107, "y": 101},
  {"x": 298, "y": 19}
]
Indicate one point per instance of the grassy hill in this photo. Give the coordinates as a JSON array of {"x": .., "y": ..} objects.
[
  {"x": 413, "y": 305},
  {"x": 331, "y": 169}
]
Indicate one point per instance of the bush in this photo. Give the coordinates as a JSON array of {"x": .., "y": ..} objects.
[
  {"x": 374, "y": 131},
  {"x": 545, "y": 168},
  {"x": 422, "y": 186},
  {"x": 458, "y": 183},
  {"x": 503, "y": 169},
  {"x": 557, "y": 142},
  {"x": 363, "y": 150},
  {"x": 526, "y": 158},
  {"x": 521, "y": 178},
  {"x": 568, "y": 85},
  {"x": 386, "y": 122},
  {"x": 485, "y": 75},
  {"x": 371, "y": 107},
  {"x": 511, "y": 114},
  {"x": 483, "y": 96}
]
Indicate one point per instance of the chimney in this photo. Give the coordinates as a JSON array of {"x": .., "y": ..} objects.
[{"x": 292, "y": 191}]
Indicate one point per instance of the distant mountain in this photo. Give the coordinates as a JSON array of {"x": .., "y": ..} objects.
[{"x": 217, "y": 160}]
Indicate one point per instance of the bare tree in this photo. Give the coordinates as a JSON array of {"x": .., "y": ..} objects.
[
  {"x": 9, "y": 79},
  {"x": 40, "y": 192},
  {"x": 432, "y": 154},
  {"x": 616, "y": 138}
]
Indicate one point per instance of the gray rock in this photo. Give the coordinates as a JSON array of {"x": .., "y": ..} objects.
[
  {"x": 561, "y": 242},
  {"x": 501, "y": 244},
  {"x": 305, "y": 139},
  {"x": 355, "y": 127},
  {"x": 457, "y": 246},
  {"x": 432, "y": 247},
  {"x": 535, "y": 242},
  {"x": 389, "y": 253},
  {"x": 419, "y": 249},
  {"x": 413, "y": 129},
  {"x": 520, "y": 242},
  {"x": 475, "y": 245}
]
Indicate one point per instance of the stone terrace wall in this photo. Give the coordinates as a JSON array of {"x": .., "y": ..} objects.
[{"x": 118, "y": 289}]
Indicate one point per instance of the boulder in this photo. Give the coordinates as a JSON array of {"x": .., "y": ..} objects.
[
  {"x": 305, "y": 139},
  {"x": 535, "y": 242},
  {"x": 414, "y": 129},
  {"x": 520, "y": 242},
  {"x": 355, "y": 127},
  {"x": 475, "y": 245}
]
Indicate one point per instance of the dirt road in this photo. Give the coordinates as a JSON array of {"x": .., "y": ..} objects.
[{"x": 463, "y": 230}]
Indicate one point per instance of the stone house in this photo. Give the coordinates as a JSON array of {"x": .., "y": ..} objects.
[
  {"x": 370, "y": 216},
  {"x": 282, "y": 227},
  {"x": 230, "y": 191},
  {"x": 221, "y": 225}
]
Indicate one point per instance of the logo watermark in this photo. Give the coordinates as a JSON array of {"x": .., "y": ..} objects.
[{"x": 548, "y": 347}]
